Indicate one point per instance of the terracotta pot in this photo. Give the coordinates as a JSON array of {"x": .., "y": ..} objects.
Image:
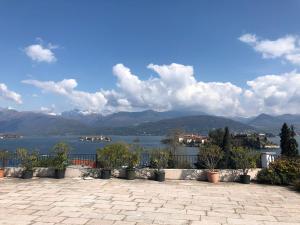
[
  {"x": 1, "y": 173},
  {"x": 213, "y": 176}
]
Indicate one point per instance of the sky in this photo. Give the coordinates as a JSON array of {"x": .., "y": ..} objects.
[{"x": 229, "y": 58}]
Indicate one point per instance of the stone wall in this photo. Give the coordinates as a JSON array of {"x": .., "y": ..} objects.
[{"x": 226, "y": 175}]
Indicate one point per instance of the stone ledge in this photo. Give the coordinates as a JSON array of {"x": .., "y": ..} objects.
[{"x": 226, "y": 175}]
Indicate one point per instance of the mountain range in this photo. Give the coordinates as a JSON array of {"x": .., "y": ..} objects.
[{"x": 147, "y": 122}]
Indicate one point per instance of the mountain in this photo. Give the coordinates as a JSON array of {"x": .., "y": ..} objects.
[
  {"x": 122, "y": 119},
  {"x": 273, "y": 124},
  {"x": 32, "y": 123},
  {"x": 193, "y": 124},
  {"x": 125, "y": 123},
  {"x": 81, "y": 116}
]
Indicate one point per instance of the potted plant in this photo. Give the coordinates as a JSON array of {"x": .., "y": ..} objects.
[
  {"x": 60, "y": 159},
  {"x": 28, "y": 162},
  {"x": 159, "y": 160},
  {"x": 133, "y": 159},
  {"x": 3, "y": 157},
  {"x": 210, "y": 155},
  {"x": 245, "y": 159},
  {"x": 110, "y": 157}
]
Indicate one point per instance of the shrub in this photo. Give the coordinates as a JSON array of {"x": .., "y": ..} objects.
[
  {"x": 28, "y": 160},
  {"x": 282, "y": 171},
  {"x": 244, "y": 158},
  {"x": 132, "y": 159},
  {"x": 210, "y": 155},
  {"x": 61, "y": 151},
  {"x": 113, "y": 155},
  {"x": 159, "y": 159}
]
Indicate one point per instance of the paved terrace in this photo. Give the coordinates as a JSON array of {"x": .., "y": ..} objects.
[{"x": 141, "y": 202}]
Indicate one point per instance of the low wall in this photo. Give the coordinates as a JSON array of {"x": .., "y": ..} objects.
[{"x": 226, "y": 175}]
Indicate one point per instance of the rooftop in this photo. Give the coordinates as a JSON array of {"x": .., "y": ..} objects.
[{"x": 142, "y": 202}]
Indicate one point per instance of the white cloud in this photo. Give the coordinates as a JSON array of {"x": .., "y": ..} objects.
[
  {"x": 276, "y": 94},
  {"x": 93, "y": 101},
  {"x": 9, "y": 95},
  {"x": 39, "y": 53},
  {"x": 176, "y": 88},
  {"x": 287, "y": 48}
]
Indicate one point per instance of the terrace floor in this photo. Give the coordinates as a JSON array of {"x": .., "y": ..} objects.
[{"x": 141, "y": 202}]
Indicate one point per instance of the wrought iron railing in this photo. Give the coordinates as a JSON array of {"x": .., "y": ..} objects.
[{"x": 90, "y": 160}]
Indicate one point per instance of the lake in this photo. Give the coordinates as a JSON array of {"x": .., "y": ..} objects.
[{"x": 44, "y": 144}]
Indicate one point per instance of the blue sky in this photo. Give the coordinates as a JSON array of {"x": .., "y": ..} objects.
[{"x": 94, "y": 43}]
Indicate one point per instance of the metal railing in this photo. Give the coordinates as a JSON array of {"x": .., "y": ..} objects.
[{"x": 90, "y": 160}]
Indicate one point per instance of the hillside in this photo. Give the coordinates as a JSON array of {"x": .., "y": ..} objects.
[
  {"x": 272, "y": 124},
  {"x": 194, "y": 124}
]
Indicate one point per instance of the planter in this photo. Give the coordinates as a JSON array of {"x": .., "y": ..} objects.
[
  {"x": 245, "y": 179},
  {"x": 28, "y": 174},
  {"x": 159, "y": 176},
  {"x": 1, "y": 173},
  {"x": 130, "y": 174},
  {"x": 213, "y": 176},
  {"x": 60, "y": 174},
  {"x": 105, "y": 174}
]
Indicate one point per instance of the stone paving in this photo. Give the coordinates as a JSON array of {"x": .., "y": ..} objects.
[{"x": 142, "y": 202}]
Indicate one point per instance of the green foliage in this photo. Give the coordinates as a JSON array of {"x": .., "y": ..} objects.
[
  {"x": 61, "y": 151},
  {"x": 132, "y": 159},
  {"x": 113, "y": 155},
  {"x": 28, "y": 160},
  {"x": 244, "y": 158},
  {"x": 288, "y": 143},
  {"x": 216, "y": 136},
  {"x": 159, "y": 159},
  {"x": 282, "y": 171},
  {"x": 210, "y": 155},
  {"x": 226, "y": 147},
  {"x": 173, "y": 140},
  {"x": 4, "y": 155}
]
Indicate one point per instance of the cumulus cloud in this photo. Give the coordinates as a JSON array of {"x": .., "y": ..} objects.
[
  {"x": 9, "y": 95},
  {"x": 176, "y": 88},
  {"x": 287, "y": 48},
  {"x": 40, "y": 53},
  {"x": 67, "y": 88}
]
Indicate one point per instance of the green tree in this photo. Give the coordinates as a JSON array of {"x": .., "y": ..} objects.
[
  {"x": 216, "y": 136},
  {"x": 284, "y": 139},
  {"x": 226, "y": 147},
  {"x": 293, "y": 145},
  {"x": 288, "y": 143}
]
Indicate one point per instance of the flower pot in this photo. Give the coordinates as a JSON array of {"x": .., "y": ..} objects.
[
  {"x": 159, "y": 176},
  {"x": 245, "y": 179},
  {"x": 27, "y": 174},
  {"x": 60, "y": 174},
  {"x": 213, "y": 176},
  {"x": 105, "y": 174},
  {"x": 130, "y": 174},
  {"x": 2, "y": 173}
]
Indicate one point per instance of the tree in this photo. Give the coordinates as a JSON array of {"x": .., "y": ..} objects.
[
  {"x": 288, "y": 143},
  {"x": 173, "y": 140},
  {"x": 216, "y": 136},
  {"x": 284, "y": 139},
  {"x": 293, "y": 145},
  {"x": 226, "y": 147}
]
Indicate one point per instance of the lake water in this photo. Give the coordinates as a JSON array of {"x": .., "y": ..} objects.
[{"x": 44, "y": 144}]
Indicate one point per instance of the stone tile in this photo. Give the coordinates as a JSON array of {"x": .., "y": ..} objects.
[{"x": 75, "y": 221}]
